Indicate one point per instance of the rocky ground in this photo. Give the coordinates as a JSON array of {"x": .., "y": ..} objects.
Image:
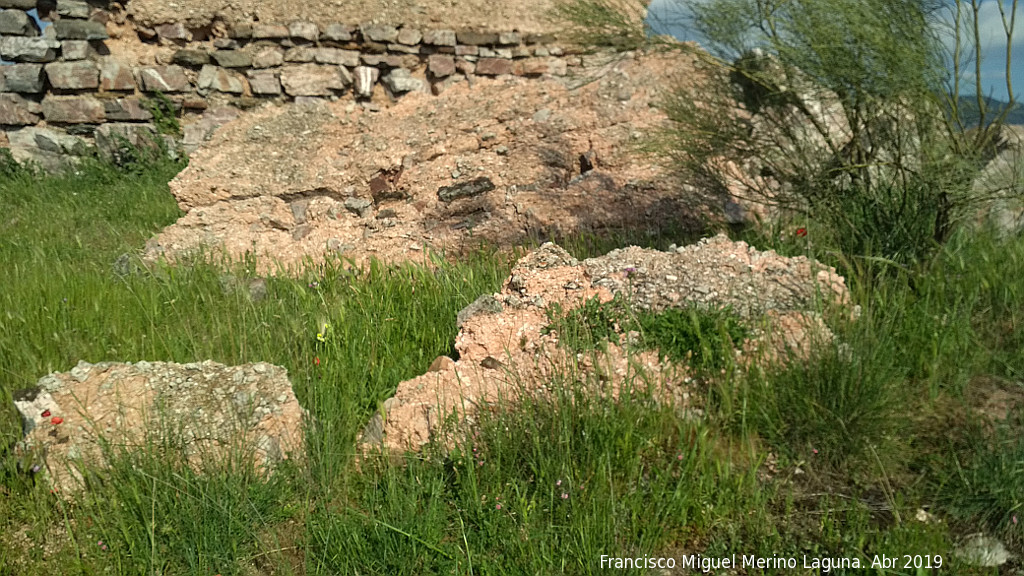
[{"x": 493, "y": 161}]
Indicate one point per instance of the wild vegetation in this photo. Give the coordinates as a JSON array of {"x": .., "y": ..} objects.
[{"x": 901, "y": 438}]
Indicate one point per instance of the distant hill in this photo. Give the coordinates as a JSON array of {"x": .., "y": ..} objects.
[{"x": 969, "y": 110}]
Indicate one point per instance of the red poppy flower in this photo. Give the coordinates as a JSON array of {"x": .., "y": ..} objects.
[
  {"x": 56, "y": 420},
  {"x": 46, "y": 413},
  {"x": 801, "y": 232},
  {"x": 317, "y": 360}
]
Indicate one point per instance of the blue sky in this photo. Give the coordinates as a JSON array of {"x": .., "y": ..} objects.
[{"x": 666, "y": 16}]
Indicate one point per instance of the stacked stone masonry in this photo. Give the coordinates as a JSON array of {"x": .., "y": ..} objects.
[{"x": 62, "y": 88}]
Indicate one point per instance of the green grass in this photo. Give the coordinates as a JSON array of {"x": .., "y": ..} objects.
[{"x": 831, "y": 456}]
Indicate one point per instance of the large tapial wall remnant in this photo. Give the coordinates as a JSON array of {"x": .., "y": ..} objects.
[{"x": 87, "y": 78}]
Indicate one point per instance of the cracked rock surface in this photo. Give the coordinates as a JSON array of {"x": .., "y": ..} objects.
[{"x": 209, "y": 408}]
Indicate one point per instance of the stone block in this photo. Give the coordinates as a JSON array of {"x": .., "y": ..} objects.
[
  {"x": 493, "y": 66},
  {"x": 389, "y": 60},
  {"x": 18, "y": 111},
  {"x": 441, "y": 65},
  {"x": 115, "y": 76},
  {"x": 225, "y": 44},
  {"x": 264, "y": 83},
  {"x": 379, "y": 32},
  {"x": 23, "y": 78},
  {"x": 232, "y": 58},
  {"x": 269, "y": 31},
  {"x": 400, "y": 81},
  {"x": 73, "y": 9},
  {"x": 474, "y": 38},
  {"x": 466, "y": 50},
  {"x": 348, "y": 58},
  {"x": 174, "y": 31},
  {"x": 312, "y": 80},
  {"x": 509, "y": 38},
  {"x": 191, "y": 57},
  {"x": 409, "y": 36},
  {"x": 538, "y": 38},
  {"x": 52, "y": 150},
  {"x": 73, "y": 110},
  {"x": 164, "y": 79},
  {"x": 403, "y": 49},
  {"x": 268, "y": 58},
  {"x": 114, "y": 141},
  {"x": 19, "y": 49},
  {"x": 79, "y": 30},
  {"x": 307, "y": 31},
  {"x": 365, "y": 78},
  {"x": 75, "y": 49},
  {"x": 337, "y": 33},
  {"x": 17, "y": 23},
  {"x": 80, "y": 75},
  {"x": 19, "y": 4},
  {"x": 222, "y": 80},
  {"x": 439, "y": 37},
  {"x": 241, "y": 31},
  {"x": 126, "y": 110},
  {"x": 300, "y": 54}
]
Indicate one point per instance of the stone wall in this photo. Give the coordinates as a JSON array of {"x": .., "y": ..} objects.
[{"x": 92, "y": 76}]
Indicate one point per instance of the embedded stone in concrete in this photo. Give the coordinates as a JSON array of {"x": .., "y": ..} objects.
[
  {"x": 232, "y": 58},
  {"x": 23, "y": 78},
  {"x": 73, "y": 9},
  {"x": 441, "y": 65},
  {"x": 439, "y": 37},
  {"x": 191, "y": 57},
  {"x": 303, "y": 31},
  {"x": 17, "y": 23},
  {"x": 365, "y": 78},
  {"x": 126, "y": 110},
  {"x": 409, "y": 36},
  {"x": 348, "y": 58},
  {"x": 18, "y": 111},
  {"x": 476, "y": 38},
  {"x": 269, "y": 31},
  {"x": 79, "y": 75},
  {"x": 222, "y": 80},
  {"x": 400, "y": 81},
  {"x": 493, "y": 66},
  {"x": 164, "y": 79},
  {"x": 80, "y": 30},
  {"x": 74, "y": 49},
  {"x": 379, "y": 32},
  {"x": 265, "y": 83},
  {"x": 337, "y": 33},
  {"x": 76, "y": 110},
  {"x": 268, "y": 58},
  {"x": 115, "y": 75},
  {"x": 19, "y": 49},
  {"x": 312, "y": 80}
]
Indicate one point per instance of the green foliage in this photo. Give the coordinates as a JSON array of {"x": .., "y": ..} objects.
[
  {"x": 165, "y": 116},
  {"x": 704, "y": 338}
]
